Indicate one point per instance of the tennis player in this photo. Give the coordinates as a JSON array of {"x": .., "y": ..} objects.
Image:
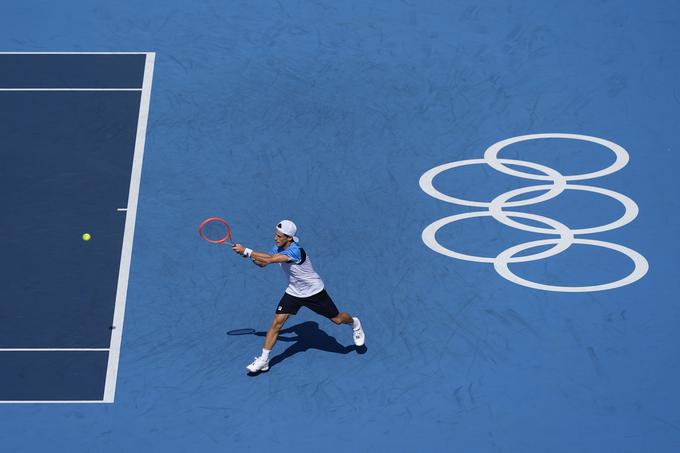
[{"x": 305, "y": 289}]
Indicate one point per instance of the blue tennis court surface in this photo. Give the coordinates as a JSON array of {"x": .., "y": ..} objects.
[{"x": 490, "y": 187}]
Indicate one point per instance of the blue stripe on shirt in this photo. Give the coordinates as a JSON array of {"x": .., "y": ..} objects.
[{"x": 292, "y": 252}]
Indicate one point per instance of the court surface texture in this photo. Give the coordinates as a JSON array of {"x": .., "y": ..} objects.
[{"x": 490, "y": 187}]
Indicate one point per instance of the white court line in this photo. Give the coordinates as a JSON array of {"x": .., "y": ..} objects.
[
  {"x": 121, "y": 209},
  {"x": 53, "y": 402},
  {"x": 75, "y": 53},
  {"x": 51, "y": 349},
  {"x": 70, "y": 89},
  {"x": 126, "y": 255}
]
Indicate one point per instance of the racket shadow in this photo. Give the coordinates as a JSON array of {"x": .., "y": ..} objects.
[
  {"x": 308, "y": 336},
  {"x": 241, "y": 332}
]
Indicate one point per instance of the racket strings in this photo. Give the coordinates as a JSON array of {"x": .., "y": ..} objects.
[{"x": 215, "y": 230}]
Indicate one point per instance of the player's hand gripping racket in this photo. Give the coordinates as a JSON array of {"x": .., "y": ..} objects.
[{"x": 216, "y": 231}]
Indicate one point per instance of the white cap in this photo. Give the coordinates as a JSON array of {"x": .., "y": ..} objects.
[{"x": 288, "y": 228}]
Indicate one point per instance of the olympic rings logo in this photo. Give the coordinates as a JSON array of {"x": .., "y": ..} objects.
[{"x": 557, "y": 183}]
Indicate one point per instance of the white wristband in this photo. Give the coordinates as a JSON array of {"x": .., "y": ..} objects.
[{"x": 247, "y": 252}]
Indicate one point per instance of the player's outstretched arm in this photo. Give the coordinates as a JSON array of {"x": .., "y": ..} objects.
[
  {"x": 264, "y": 259},
  {"x": 259, "y": 258}
]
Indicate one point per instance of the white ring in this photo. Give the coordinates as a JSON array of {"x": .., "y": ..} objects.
[
  {"x": 631, "y": 209},
  {"x": 491, "y": 156},
  {"x": 426, "y": 183},
  {"x": 561, "y": 244},
  {"x": 505, "y": 257}
]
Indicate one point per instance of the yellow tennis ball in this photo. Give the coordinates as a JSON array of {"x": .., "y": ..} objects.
[{"x": 86, "y": 237}]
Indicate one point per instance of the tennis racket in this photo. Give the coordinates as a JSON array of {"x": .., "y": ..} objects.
[{"x": 216, "y": 231}]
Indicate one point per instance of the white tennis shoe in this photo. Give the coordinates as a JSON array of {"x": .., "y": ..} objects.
[
  {"x": 359, "y": 336},
  {"x": 259, "y": 364}
]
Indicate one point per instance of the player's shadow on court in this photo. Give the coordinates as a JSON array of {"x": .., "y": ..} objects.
[{"x": 310, "y": 336}]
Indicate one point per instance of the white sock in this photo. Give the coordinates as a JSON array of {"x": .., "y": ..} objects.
[
  {"x": 265, "y": 354},
  {"x": 356, "y": 323}
]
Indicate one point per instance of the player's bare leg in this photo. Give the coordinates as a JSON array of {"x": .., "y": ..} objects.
[
  {"x": 273, "y": 332},
  {"x": 358, "y": 332},
  {"x": 343, "y": 318},
  {"x": 262, "y": 363}
]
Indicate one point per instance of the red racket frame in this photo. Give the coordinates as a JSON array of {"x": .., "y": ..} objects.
[{"x": 219, "y": 241}]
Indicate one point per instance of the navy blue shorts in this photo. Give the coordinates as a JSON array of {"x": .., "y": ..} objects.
[{"x": 320, "y": 303}]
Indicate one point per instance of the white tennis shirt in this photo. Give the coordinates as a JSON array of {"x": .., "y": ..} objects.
[{"x": 303, "y": 281}]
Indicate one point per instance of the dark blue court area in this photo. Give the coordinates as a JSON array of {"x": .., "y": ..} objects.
[
  {"x": 491, "y": 187},
  {"x": 66, "y": 165}
]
